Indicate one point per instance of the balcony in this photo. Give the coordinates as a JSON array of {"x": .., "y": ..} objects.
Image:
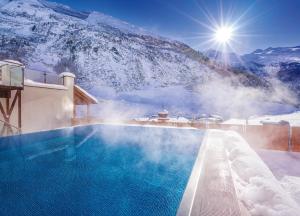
[{"x": 11, "y": 75}]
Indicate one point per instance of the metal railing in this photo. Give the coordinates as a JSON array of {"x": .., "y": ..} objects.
[{"x": 42, "y": 76}]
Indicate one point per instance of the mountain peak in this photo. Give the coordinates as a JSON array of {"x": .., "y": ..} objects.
[{"x": 97, "y": 18}]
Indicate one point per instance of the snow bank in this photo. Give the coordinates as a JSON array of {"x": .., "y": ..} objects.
[
  {"x": 292, "y": 118},
  {"x": 257, "y": 188},
  {"x": 292, "y": 185}
]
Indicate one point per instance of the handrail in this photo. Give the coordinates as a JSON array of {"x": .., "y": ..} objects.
[{"x": 42, "y": 76}]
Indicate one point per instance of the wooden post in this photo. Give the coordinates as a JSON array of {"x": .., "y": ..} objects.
[
  {"x": 88, "y": 110},
  {"x": 88, "y": 113},
  {"x": 19, "y": 109},
  {"x": 74, "y": 110},
  {"x": 7, "y": 105},
  {"x": 8, "y": 110}
]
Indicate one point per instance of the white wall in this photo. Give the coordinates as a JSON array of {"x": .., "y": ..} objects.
[{"x": 44, "y": 107}]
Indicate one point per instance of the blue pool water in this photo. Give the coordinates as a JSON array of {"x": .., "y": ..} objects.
[{"x": 97, "y": 170}]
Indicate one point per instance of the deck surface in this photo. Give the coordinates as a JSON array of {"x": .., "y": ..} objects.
[
  {"x": 215, "y": 193},
  {"x": 281, "y": 163}
]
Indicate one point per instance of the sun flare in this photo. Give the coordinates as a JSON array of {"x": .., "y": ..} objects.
[{"x": 223, "y": 34}]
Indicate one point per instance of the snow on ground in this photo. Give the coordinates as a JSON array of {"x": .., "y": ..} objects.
[
  {"x": 285, "y": 166},
  {"x": 293, "y": 118},
  {"x": 179, "y": 119},
  {"x": 292, "y": 185},
  {"x": 257, "y": 188}
]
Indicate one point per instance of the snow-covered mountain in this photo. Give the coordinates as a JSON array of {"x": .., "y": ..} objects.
[
  {"x": 108, "y": 54},
  {"x": 221, "y": 57},
  {"x": 274, "y": 55},
  {"x": 282, "y": 64},
  {"x": 102, "y": 50}
]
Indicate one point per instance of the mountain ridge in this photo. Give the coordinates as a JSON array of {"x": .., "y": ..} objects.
[
  {"x": 100, "y": 49},
  {"x": 113, "y": 60}
]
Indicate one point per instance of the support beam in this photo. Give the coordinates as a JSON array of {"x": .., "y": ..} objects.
[
  {"x": 20, "y": 110},
  {"x": 88, "y": 114},
  {"x": 3, "y": 113},
  {"x": 14, "y": 102},
  {"x": 74, "y": 111},
  {"x": 7, "y": 112},
  {"x": 7, "y": 105}
]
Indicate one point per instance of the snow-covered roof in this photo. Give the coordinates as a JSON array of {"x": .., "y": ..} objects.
[
  {"x": 82, "y": 95},
  {"x": 11, "y": 62},
  {"x": 67, "y": 74},
  {"x": 29, "y": 82},
  {"x": 292, "y": 118},
  {"x": 173, "y": 120}
]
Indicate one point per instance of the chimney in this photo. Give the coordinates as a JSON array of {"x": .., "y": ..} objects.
[{"x": 68, "y": 80}]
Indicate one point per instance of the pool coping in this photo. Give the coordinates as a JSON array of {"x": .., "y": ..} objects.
[
  {"x": 188, "y": 205},
  {"x": 86, "y": 125}
]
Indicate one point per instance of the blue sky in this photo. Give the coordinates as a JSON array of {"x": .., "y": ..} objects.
[{"x": 262, "y": 23}]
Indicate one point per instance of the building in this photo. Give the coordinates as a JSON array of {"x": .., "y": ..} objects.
[{"x": 27, "y": 105}]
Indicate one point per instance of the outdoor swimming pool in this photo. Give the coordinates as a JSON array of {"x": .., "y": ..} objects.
[{"x": 97, "y": 170}]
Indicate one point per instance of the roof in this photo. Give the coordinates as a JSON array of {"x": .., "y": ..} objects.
[
  {"x": 11, "y": 62},
  {"x": 82, "y": 97}
]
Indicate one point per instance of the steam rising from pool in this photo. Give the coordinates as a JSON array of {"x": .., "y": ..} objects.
[
  {"x": 154, "y": 141},
  {"x": 214, "y": 95}
]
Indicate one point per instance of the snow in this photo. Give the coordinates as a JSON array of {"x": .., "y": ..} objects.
[
  {"x": 96, "y": 18},
  {"x": 292, "y": 118},
  {"x": 170, "y": 119},
  {"x": 143, "y": 71},
  {"x": 295, "y": 49},
  {"x": 4, "y": 2},
  {"x": 292, "y": 185},
  {"x": 257, "y": 188},
  {"x": 28, "y": 82},
  {"x": 8, "y": 61},
  {"x": 86, "y": 93},
  {"x": 67, "y": 74}
]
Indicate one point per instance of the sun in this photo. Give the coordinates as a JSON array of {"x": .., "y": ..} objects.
[{"x": 223, "y": 34}]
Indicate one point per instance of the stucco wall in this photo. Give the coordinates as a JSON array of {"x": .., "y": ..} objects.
[{"x": 44, "y": 107}]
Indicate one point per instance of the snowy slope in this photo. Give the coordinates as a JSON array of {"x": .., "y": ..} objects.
[
  {"x": 274, "y": 55},
  {"x": 281, "y": 64},
  {"x": 109, "y": 54},
  {"x": 103, "y": 51}
]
